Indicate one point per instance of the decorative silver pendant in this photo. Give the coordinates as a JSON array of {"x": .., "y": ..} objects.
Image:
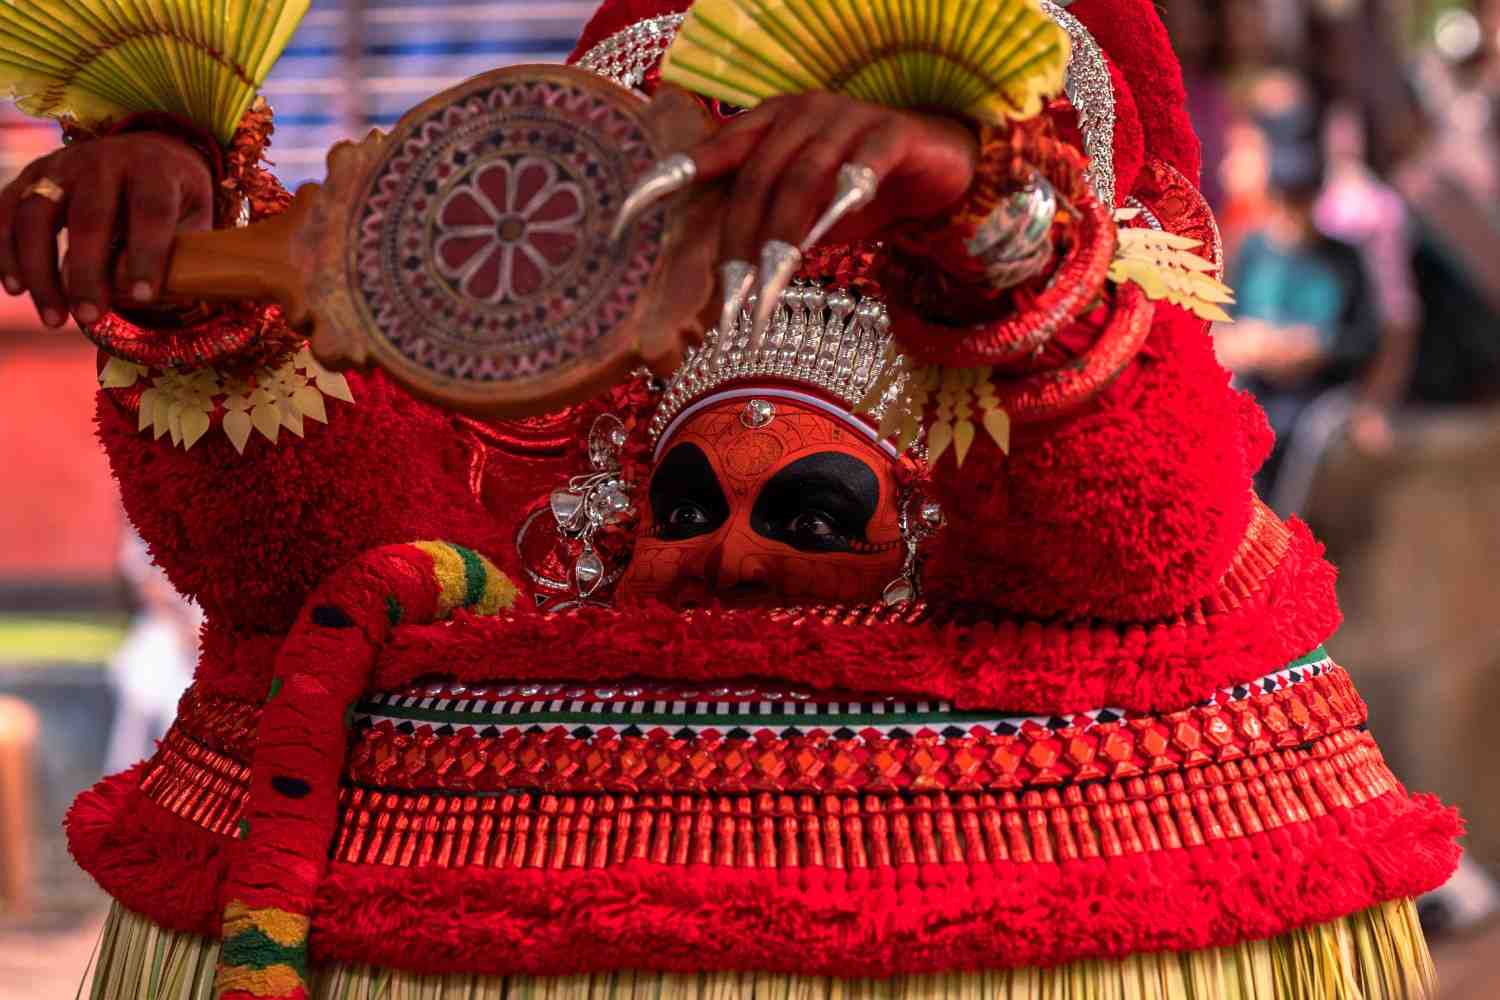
[
  {"x": 588, "y": 572},
  {"x": 594, "y": 501}
]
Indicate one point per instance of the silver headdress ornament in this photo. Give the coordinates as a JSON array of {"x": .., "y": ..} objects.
[
  {"x": 627, "y": 55},
  {"x": 830, "y": 340}
]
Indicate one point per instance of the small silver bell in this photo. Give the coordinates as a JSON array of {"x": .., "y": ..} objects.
[
  {"x": 566, "y": 508},
  {"x": 897, "y": 592},
  {"x": 589, "y": 571}
]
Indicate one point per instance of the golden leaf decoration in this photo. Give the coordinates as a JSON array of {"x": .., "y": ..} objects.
[
  {"x": 118, "y": 373},
  {"x": 1166, "y": 268},
  {"x": 181, "y": 404},
  {"x": 958, "y": 396}
]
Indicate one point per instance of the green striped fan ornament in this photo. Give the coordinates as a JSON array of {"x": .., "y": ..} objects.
[
  {"x": 991, "y": 60},
  {"x": 203, "y": 60}
]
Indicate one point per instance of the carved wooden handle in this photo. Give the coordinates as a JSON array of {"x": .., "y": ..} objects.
[{"x": 250, "y": 262}]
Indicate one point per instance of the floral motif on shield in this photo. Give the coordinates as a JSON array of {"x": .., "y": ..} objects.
[{"x": 504, "y": 231}]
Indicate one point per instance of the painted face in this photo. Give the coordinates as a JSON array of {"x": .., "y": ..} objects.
[{"x": 753, "y": 507}]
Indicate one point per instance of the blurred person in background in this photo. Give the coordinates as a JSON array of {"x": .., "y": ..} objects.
[
  {"x": 1305, "y": 318},
  {"x": 1355, "y": 207},
  {"x": 1451, "y": 184},
  {"x": 154, "y": 664}
]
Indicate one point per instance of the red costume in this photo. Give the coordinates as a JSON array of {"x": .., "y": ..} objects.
[{"x": 1108, "y": 729}]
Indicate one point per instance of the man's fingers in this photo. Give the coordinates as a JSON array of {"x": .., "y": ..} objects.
[
  {"x": 92, "y": 213},
  {"x": 726, "y": 150},
  {"x": 10, "y": 200},
  {"x": 808, "y": 184},
  {"x": 154, "y": 206},
  {"x": 37, "y": 222},
  {"x": 757, "y": 179}
]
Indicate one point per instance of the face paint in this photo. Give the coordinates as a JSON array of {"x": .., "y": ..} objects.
[{"x": 749, "y": 511}]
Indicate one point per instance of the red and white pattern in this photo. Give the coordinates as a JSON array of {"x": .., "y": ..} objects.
[
  {"x": 508, "y": 230},
  {"x": 482, "y": 253}
]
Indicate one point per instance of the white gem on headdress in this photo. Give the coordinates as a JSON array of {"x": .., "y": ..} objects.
[{"x": 757, "y": 413}]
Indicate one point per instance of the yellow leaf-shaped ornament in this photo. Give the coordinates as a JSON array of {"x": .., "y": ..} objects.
[
  {"x": 310, "y": 401},
  {"x": 333, "y": 384},
  {"x": 237, "y": 427},
  {"x": 195, "y": 424},
  {"x": 146, "y": 409},
  {"x": 118, "y": 373},
  {"x": 266, "y": 416},
  {"x": 997, "y": 424}
]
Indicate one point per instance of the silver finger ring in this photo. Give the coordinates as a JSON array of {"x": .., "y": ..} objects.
[
  {"x": 856, "y": 189},
  {"x": 663, "y": 180},
  {"x": 46, "y": 188}
]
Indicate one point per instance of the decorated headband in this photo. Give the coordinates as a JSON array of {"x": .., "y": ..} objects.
[{"x": 824, "y": 348}]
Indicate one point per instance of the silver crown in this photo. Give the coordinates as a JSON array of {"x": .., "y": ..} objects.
[{"x": 829, "y": 339}]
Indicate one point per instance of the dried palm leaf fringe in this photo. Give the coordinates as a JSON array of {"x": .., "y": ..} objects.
[{"x": 1377, "y": 954}]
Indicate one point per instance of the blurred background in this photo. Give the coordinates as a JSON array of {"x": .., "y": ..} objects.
[{"x": 1352, "y": 153}]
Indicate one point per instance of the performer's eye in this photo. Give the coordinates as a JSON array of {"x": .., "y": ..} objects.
[
  {"x": 686, "y": 500},
  {"x": 687, "y": 515},
  {"x": 821, "y": 503},
  {"x": 817, "y": 531}
]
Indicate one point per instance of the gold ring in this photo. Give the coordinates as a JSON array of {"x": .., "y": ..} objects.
[{"x": 47, "y": 188}]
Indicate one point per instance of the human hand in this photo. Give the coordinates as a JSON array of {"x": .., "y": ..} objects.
[
  {"x": 791, "y": 169},
  {"x": 123, "y": 200}
]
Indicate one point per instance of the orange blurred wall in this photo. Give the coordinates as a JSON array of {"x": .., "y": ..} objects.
[{"x": 59, "y": 518}]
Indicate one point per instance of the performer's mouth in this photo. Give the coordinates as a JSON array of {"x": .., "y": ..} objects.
[{"x": 693, "y": 594}]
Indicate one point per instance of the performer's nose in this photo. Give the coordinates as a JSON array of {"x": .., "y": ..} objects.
[{"x": 732, "y": 565}]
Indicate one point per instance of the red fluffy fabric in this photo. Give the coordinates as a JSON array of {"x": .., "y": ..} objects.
[
  {"x": 145, "y": 857},
  {"x": 1134, "y": 39},
  {"x": 250, "y": 535},
  {"x": 1029, "y": 667},
  {"x": 916, "y": 918},
  {"x": 1127, "y": 511}
]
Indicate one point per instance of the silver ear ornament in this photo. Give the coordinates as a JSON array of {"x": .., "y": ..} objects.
[
  {"x": 593, "y": 501},
  {"x": 920, "y": 518}
]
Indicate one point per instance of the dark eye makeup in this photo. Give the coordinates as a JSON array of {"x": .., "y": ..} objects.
[
  {"x": 821, "y": 503},
  {"x": 686, "y": 500}
]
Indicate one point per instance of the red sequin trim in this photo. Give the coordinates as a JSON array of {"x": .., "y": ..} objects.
[
  {"x": 1214, "y": 802},
  {"x": 1058, "y": 391}
]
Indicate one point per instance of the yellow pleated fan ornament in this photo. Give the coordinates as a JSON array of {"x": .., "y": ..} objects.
[
  {"x": 991, "y": 60},
  {"x": 92, "y": 60}
]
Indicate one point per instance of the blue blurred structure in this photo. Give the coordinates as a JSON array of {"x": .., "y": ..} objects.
[{"x": 358, "y": 64}]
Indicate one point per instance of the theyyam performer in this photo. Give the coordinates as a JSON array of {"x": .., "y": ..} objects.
[{"x": 914, "y": 632}]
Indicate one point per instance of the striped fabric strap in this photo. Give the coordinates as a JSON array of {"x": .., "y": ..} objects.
[{"x": 302, "y": 739}]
